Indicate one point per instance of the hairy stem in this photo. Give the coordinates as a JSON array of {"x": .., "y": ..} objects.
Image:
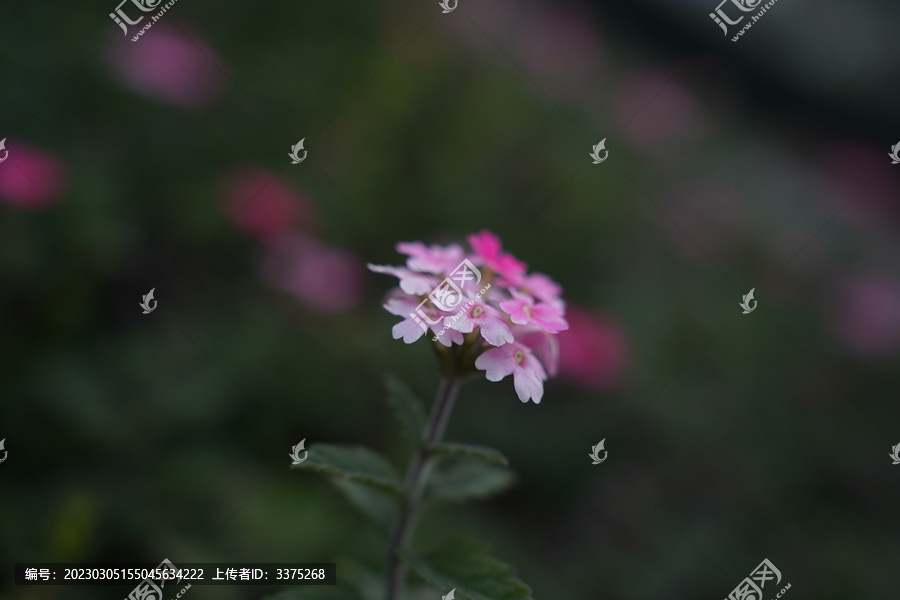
[{"x": 414, "y": 483}]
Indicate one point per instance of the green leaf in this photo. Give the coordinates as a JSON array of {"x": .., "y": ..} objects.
[
  {"x": 484, "y": 453},
  {"x": 380, "y": 506},
  {"x": 465, "y": 565},
  {"x": 408, "y": 409},
  {"x": 352, "y": 462},
  {"x": 461, "y": 479}
]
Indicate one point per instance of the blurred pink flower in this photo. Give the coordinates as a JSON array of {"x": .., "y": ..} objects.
[
  {"x": 560, "y": 48},
  {"x": 593, "y": 352},
  {"x": 707, "y": 219},
  {"x": 861, "y": 181},
  {"x": 324, "y": 278},
  {"x": 31, "y": 178},
  {"x": 258, "y": 202},
  {"x": 866, "y": 314},
  {"x": 511, "y": 314},
  {"x": 653, "y": 107},
  {"x": 167, "y": 65}
]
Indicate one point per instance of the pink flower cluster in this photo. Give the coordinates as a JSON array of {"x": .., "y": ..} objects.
[{"x": 513, "y": 316}]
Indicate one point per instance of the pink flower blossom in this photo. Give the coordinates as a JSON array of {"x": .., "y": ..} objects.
[
  {"x": 543, "y": 288},
  {"x": 523, "y": 310},
  {"x": 489, "y": 320},
  {"x": 508, "y": 316},
  {"x": 410, "y": 329},
  {"x": 30, "y": 178},
  {"x": 168, "y": 65},
  {"x": 518, "y": 360},
  {"x": 433, "y": 259},
  {"x": 488, "y": 251}
]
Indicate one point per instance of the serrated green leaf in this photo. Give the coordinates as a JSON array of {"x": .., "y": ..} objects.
[
  {"x": 470, "y": 451},
  {"x": 465, "y": 565},
  {"x": 380, "y": 506},
  {"x": 455, "y": 479},
  {"x": 407, "y": 407},
  {"x": 353, "y": 462}
]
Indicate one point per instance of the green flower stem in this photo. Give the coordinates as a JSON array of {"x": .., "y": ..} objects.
[{"x": 414, "y": 484}]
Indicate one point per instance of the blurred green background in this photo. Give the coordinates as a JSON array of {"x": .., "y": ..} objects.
[{"x": 163, "y": 164}]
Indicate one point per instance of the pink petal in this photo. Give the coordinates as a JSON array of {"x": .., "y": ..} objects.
[
  {"x": 416, "y": 284},
  {"x": 495, "y": 332},
  {"x": 434, "y": 259},
  {"x": 407, "y": 329},
  {"x": 485, "y": 244},
  {"x": 495, "y": 363}
]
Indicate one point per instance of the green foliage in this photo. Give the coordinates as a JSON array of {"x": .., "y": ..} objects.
[
  {"x": 465, "y": 565},
  {"x": 374, "y": 503},
  {"x": 356, "y": 463},
  {"x": 465, "y": 479},
  {"x": 484, "y": 453},
  {"x": 406, "y": 406}
]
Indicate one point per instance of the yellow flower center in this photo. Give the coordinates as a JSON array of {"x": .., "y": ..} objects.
[
  {"x": 519, "y": 356},
  {"x": 477, "y": 312}
]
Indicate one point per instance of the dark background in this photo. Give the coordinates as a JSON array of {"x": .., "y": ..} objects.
[{"x": 163, "y": 164}]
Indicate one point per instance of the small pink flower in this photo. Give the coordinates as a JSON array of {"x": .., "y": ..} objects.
[
  {"x": 168, "y": 65},
  {"x": 488, "y": 251},
  {"x": 30, "y": 178},
  {"x": 324, "y": 278},
  {"x": 491, "y": 321},
  {"x": 543, "y": 288},
  {"x": 259, "y": 202},
  {"x": 415, "y": 324},
  {"x": 523, "y": 310},
  {"x": 518, "y": 360},
  {"x": 433, "y": 259}
]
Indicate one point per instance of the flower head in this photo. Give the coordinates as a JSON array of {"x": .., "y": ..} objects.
[{"x": 484, "y": 310}]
